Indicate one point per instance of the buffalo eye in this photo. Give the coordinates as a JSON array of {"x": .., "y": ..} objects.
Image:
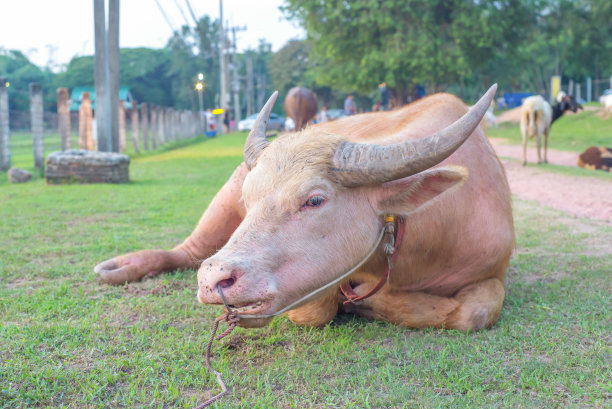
[{"x": 314, "y": 201}]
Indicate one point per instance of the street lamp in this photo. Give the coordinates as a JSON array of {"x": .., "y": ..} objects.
[{"x": 199, "y": 86}]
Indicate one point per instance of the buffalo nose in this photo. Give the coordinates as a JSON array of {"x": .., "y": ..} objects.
[{"x": 225, "y": 283}]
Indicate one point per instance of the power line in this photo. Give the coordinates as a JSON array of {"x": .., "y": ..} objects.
[
  {"x": 182, "y": 12},
  {"x": 165, "y": 16},
  {"x": 195, "y": 20}
]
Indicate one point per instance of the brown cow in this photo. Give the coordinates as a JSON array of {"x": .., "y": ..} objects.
[
  {"x": 596, "y": 158},
  {"x": 309, "y": 208},
  {"x": 301, "y": 106}
]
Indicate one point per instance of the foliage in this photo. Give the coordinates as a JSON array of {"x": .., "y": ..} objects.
[
  {"x": 455, "y": 44},
  {"x": 20, "y": 72}
]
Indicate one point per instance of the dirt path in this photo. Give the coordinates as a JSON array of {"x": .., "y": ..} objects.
[{"x": 576, "y": 195}]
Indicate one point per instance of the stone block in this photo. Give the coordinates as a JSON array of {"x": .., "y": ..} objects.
[
  {"x": 16, "y": 175},
  {"x": 81, "y": 166}
]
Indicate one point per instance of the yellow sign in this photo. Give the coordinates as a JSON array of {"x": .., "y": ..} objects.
[
  {"x": 218, "y": 111},
  {"x": 555, "y": 86}
]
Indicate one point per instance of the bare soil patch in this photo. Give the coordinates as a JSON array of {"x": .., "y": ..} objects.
[{"x": 577, "y": 195}]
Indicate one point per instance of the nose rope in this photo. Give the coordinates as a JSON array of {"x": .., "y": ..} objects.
[{"x": 231, "y": 318}]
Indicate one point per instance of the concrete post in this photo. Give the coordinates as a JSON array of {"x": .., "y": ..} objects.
[
  {"x": 144, "y": 113},
  {"x": 135, "y": 126},
  {"x": 168, "y": 128},
  {"x": 578, "y": 91},
  {"x": 588, "y": 90},
  {"x": 5, "y": 150},
  {"x": 121, "y": 127},
  {"x": 63, "y": 117},
  {"x": 113, "y": 72},
  {"x": 161, "y": 131},
  {"x": 85, "y": 134},
  {"x": 36, "y": 121},
  {"x": 103, "y": 127},
  {"x": 154, "y": 127}
]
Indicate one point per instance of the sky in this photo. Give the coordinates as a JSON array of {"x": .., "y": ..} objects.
[{"x": 57, "y": 30}]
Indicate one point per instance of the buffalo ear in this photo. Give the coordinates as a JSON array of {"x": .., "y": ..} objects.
[{"x": 406, "y": 195}]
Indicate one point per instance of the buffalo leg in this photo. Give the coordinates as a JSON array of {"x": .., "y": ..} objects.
[
  {"x": 473, "y": 307},
  {"x": 524, "y": 134},
  {"x": 546, "y": 131},
  {"x": 539, "y": 145},
  {"x": 318, "y": 312},
  {"x": 216, "y": 225}
]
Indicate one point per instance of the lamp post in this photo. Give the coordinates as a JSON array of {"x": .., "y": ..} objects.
[{"x": 199, "y": 86}]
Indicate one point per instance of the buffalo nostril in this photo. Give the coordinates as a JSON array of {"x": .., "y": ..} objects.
[{"x": 228, "y": 282}]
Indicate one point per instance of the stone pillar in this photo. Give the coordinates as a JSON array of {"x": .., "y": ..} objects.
[
  {"x": 121, "y": 127},
  {"x": 5, "y": 149},
  {"x": 588, "y": 89},
  {"x": 63, "y": 117},
  {"x": 168, "y": 124},
  {"x": 36, "y": 121},
  {"x": 135, "y": 126},
  {"x": 154, "y": 131},
  {"x": 144, "y": 113},
  {"x": 85, "y": 133},
  {"x": 161, "y": 132}
]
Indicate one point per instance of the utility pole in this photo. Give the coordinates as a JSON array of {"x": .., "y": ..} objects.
[
  {"x": 223, "y": 92},
  {"x": 250, "y": 88},
  {"x": 106, "y": 75},
  {"x": 235, "y": 78}
]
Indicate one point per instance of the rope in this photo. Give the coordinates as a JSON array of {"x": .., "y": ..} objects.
[{"x": 231, "y": 318}]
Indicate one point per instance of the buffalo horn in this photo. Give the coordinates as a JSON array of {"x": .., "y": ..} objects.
[
  {"x": 356, "y": 164},
  {"x": 256, "y": 141}
]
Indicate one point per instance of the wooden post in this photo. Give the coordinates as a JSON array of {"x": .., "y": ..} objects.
[
  {"x": 63, "y": 117},
  {"x": 5, "y": 149},
  {"x": 85, "y": 134},
  {"x": 36, "y": 120},
  {"x": 144, "y": 113},
  {"x": 135, "y": 126},
  {"x": 154, "y": 127},
  {"x": 121, "y": 127}
]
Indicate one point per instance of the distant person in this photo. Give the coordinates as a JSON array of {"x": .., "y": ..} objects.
[
  {"x": 323, "y": 117},
  {"x": 226, "y": 121},
  {"x": 210, "y": 120},
  {"x": 349, "y": 106},
  {"x": 377, "y": 106},
  {"x": 384, "y": 96}
]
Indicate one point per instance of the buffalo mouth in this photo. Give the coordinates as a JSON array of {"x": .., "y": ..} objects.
[{"x": 246, "y": 307}]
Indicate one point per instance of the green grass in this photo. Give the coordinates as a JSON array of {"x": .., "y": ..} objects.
[
  {"x": 68, "y": 342},
  {"x": 570, "y": 133}
]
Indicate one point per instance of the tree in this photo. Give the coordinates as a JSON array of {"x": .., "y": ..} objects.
[
  {"x": 362, "y": 43},
  {"x": 20, "y": 72}
]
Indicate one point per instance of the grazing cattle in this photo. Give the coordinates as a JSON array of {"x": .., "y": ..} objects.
[
  {"x": 407, "y": 210},
  {"x": 536, "y": 118},
  {"x": 301, "y": 106},
  {"x": 596, "y": 158}
]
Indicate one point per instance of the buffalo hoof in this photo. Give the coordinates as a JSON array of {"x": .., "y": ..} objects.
[{"x": 110, "y": 272}]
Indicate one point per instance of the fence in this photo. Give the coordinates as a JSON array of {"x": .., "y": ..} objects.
[
  {"x": 141, "y": 128},
  {"x": 588, "y": 91}
]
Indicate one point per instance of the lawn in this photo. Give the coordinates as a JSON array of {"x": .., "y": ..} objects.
[
  {"x": 570, "y": 132},
  {"x": 67, "y": 341}
]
